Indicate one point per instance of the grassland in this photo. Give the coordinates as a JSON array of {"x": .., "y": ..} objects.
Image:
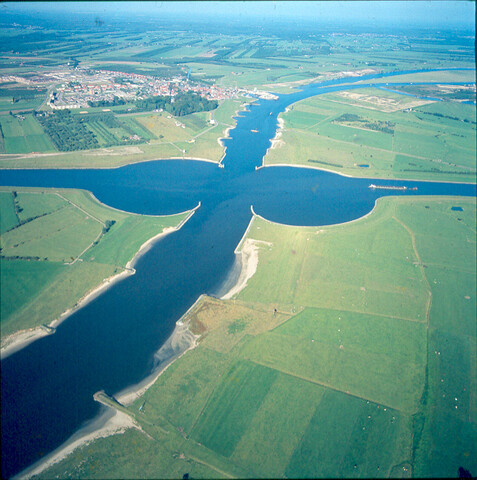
[
  {"x": 163, "y": 136},
  {"x": 57, "y": 245},
  {"x": 361, "y": 382},
  {"x": 379, "y": 133},
  {"x": 15, "y": 97},
  {"x": 23, "y": 134}
]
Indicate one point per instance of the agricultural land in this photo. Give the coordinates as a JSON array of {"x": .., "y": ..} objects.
[
  {"x": 382, "y": 132},
  {"x": 82, "y": 96},
  {"x": 351, "y": 351},
  {"x": 59, "y": 245},
  {"x": 332, "y": 362}
]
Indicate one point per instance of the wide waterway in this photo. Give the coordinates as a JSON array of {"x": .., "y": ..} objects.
[{"x": 47, "y": 388}]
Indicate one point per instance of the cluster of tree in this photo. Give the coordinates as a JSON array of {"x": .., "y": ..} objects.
[
  {"x": 436, "y": 170},
  {"x": 68, "y": 132},
  {"x": 440, "y": 115},
  {"x": 18, "y": 257},
  {"x": 107, "y": 118},
  {"x": 17, "y": 207},
  {"x": 107, "y": 225},
  {"x": 181, "y": 104},
  {"x": 326, "y": 163},
  {"x": 349, "y": 117},
  {"x": 385, "y": 127},
  {"x": 107, "y": 103},
  {"x": 22, "y": 222}
]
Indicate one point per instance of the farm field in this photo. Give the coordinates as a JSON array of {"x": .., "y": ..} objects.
[
  {"x": 57, "y": 245},
  {"x": 360, "y": 381},
  {"x": 23, "y": 134},
  {"x": 16, "y": 97},
  {"x": 374, "y": 132},
  {"x": 162, "y": 136},
  {"x": 446, "y": 76}
]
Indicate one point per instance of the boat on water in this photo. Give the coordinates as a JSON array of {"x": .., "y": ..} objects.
[
  {"x": 390, "y": 187},
  {"x": 254, "y": 131}
]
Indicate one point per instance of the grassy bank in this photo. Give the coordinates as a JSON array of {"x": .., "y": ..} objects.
[
  {"x": 25, "y": 144},
  {"x": 345, "y": 356},
  {"x": 373, "y": 132},
  {"x": 57, "y": 245}
]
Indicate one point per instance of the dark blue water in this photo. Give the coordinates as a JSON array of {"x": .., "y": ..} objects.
[{"x": 47, "y": 388}]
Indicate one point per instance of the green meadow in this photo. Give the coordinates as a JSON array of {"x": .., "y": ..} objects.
[
  {"x": 56, "y": 247},
  {"x": 23, "y": 134},
  {"x": 373, "y": 377},
  {"x": 373, "y": 132},
  {"x": 163, "y": 137}
]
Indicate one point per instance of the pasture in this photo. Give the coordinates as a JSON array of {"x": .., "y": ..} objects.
[
  {"x": 23, "y": 134},
  {"x": 160, "y": 138},
  {"x": 55, "y": 249},
  {"x": 395, "y": 135},
  {"x": 334, "y": 390}
]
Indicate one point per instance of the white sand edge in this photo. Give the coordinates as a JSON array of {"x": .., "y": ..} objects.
[
  {"x": 249, "y": 264},
  {"x": 16, "y": 341},
  {"x": 116, "y": 424},
  {"x": 178, "y": 344}
]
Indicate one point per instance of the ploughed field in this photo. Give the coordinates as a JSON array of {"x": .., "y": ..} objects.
[{"x": 316, "y": 370}]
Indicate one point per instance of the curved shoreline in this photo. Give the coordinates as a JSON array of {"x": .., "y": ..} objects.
[
  {"x": 93, "y": 167},
  {"x": 21, "y": 339},
  {"x": 109, "y": 422},
  {"x": 112, "y": 421},
  {"x": 322, "y": 226}
]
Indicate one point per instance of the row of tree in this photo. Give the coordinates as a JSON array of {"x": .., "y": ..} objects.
[
  {"x": 107, "y": 103},
  {"x": 181, "y": 104}
]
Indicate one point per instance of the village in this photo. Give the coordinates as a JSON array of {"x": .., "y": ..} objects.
[{"x": 82, "y": 87}]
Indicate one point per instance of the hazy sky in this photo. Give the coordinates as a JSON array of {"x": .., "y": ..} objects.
[{"x": 434, "y": 12}]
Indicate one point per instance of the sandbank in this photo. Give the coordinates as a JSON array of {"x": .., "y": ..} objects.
[
  {"x": 249, "y": 263},
  {"x": 247, "y": 253}
]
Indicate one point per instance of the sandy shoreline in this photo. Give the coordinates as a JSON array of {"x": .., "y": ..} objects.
[
  {"x": 15, "y": 342},
  {"x": 113, "y": 421},
  {"x": 276, "y": 141},
  {"x": 249, "y": 263},
  {"x": 116, "y": 423},
  {"x": 247, "y": 251}
]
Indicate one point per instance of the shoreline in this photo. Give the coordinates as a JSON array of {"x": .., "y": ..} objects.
[
  {"x": 362, "y": 178},
  {"x": 249, "y": 263},
  {"x": 225, "y": 134},
  {"x": 19, "y": 340},
  {"x": 92, "y": 167},
  {"x": 106, "y": 425},
  {"x": 112, "y": 421}
]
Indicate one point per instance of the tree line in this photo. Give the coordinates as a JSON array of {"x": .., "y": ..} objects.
[{"x": 181, "y": 104}]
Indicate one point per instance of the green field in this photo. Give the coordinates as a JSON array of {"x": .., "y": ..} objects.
[
  {"x": 342, "y": 389},
  {"x": 23, "y": 134},
  {"x": 56, "y": 247},
  {"x": 15, "y": 97},
  {"x": 161, "y": 138},
  {"x": 377, "y": 133}
]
